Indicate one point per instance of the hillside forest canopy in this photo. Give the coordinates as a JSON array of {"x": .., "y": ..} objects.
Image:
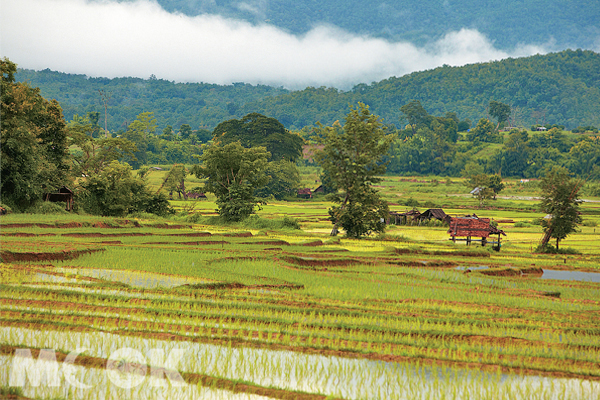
[{"x": 557, "y": 88}]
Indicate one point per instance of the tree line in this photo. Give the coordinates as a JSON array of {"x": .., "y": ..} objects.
[
  {"x": 558, "y": 88},
  {"x": 250, "y": 159}
]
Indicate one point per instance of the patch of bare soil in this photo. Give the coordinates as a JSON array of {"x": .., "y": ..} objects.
[
  {"x": 313, "y": 243},
  {"x": 10, "y": 256},
  {"x": 167, "y": 226},
  {"x": 24, "y": 234},
  {"x": 98, "y": 234},
  {"x": 237, "y": 234},
  {"x": 191, "y": 234}
]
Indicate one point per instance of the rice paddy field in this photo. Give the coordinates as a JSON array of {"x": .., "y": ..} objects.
[{"x": 142, "y": 308}]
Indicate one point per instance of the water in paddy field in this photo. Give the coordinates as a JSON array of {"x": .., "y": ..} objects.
[
  {"x": 292, "y": 371},
  {"x": 145, "y": 280},
  {"x": 571, "y": 275}
]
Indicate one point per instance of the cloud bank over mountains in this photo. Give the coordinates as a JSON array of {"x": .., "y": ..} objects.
[{"x": 111, "y": 39}]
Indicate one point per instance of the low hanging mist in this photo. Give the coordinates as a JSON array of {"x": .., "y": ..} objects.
[{"x": 111, "y": 39}]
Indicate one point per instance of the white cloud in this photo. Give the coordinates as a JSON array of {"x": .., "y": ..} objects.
[{"x": 106, "y": 38}]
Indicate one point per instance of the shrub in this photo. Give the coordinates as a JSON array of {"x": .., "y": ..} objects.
[
  {"x": 549, "y": 249},
  {"x": 522, "y": 224},
  {"x": 589, "y": 223},
  {"x": 47, "y": 207},
  {"x": 411, "y": 202}
]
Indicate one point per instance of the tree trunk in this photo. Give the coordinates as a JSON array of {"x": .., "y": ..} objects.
[{"x": 557, "y": 239}]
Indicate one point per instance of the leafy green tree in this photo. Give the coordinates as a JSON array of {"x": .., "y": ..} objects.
[
  {"x": 34, "y": 154},
  {"x": 175, "y": 180},
  {"x": 115, "y": 191},
  {"x": 481, "y": 189},
  {"x": 91, "y": 156},
  {"x": 232, "y": 174},
  {"x": 485, "y": 131},
  {"x": 560, "y": 201},
  {"x": 284, "y": 180},
  {"x": 140, "y": 132},
  {"x": 416, "y": 114},
  {"x": 486, "y": 186},
  {"x": 495, "y": 183},
  {"x": 514, "y": 158},
  {"x": 185, "y": 131},
  {"x": 585, "y": 158},
  {"x": 499, "y": 111},
  {"x": 353, "y": 158},
  {"x": 255, "y": 130}
]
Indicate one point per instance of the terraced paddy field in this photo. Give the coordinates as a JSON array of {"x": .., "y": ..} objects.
[{"x": 141, "y": 309}]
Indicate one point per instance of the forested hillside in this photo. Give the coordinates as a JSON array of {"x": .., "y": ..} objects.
[
  {"x": 560, "y": 88},
  {"x": 508, "y": 23}
]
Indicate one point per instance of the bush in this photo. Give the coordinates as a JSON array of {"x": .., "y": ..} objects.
[
  {"x": 589, "y": 223},
  {"x": 411, "y": 202},
  {"x": 256, "y": 222},
  {"x": 522, "y": 224},
  {"x": 47, "y": 207},
  {"x": 549, "y": 249}
]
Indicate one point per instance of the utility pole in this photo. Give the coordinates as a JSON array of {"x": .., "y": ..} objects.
[{"x": 105, "y": 98}]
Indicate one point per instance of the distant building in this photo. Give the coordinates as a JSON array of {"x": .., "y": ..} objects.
[
  {"x": 305, "y": 193},
  {"x": 473, "y": 226},
  {"x": 64, "y": 195}
]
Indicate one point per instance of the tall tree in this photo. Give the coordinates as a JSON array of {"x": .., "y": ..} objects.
[
  {"x": 353, "y": 158},
  {"x": 416, "y": 114},
  {"x": 34, "y": 154},
  {"x": 560, "y": 201},
  {"x": 232, "y": 174},
  {"x": 140, "y": 132},
  {"x": 500, "y": 111}
]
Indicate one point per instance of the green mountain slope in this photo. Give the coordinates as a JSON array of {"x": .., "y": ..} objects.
[{"x": 561, "y": 88}]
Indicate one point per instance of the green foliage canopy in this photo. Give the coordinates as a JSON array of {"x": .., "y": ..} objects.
[
  {"x": 232, "y": 174},
  {"x": 560, "y": 201},
  {"x": 255, "y": 130},
  {"x": 34, "y": 155},
  {"x": 353, "y": 158}
]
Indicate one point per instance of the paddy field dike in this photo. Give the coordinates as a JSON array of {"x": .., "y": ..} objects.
[{"x": 145, "y": 307}]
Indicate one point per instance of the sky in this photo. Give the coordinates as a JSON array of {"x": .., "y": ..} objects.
[{"x": 104, "y": 38}]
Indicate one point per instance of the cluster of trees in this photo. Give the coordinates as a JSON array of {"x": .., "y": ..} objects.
[
  {"x": 35, "y": 156},
  {"x": 429, "y": 145},
  {"x": 250, "y": 159},
  {"x": 558, "y": 88}
]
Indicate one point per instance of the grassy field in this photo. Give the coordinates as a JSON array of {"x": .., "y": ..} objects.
[{"x": 251, "y": 312}]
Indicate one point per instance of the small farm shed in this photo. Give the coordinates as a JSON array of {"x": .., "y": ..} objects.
[
  {"x": 405, "y": 218},
  {"x": 64, "y": 195},
  {"x": 436, "y": 213},
  {"x": 320, "y": 189},
  {"x": 305, "y": 193},
  {"x": 473, "y": 226}
]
